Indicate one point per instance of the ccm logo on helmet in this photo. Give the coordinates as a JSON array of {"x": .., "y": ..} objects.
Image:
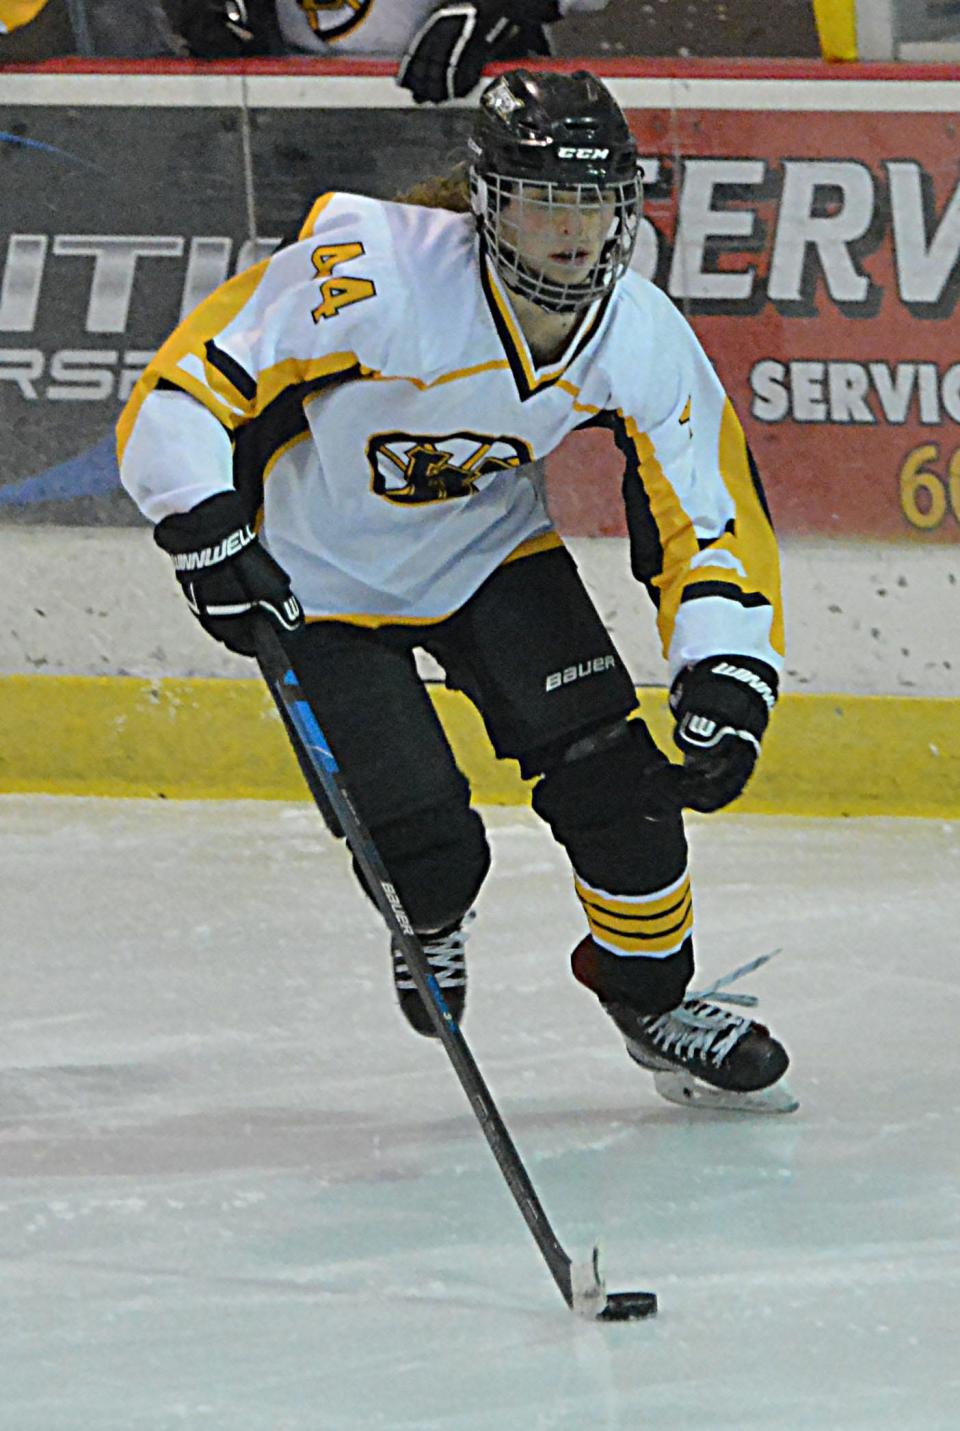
[{"x": 566, "y": 152}]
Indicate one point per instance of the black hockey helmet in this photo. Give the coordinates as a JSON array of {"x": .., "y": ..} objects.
[{"x": 564, "y": 139}]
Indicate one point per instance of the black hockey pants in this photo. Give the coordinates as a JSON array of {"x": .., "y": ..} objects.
[{"x": 532, "y": 653}]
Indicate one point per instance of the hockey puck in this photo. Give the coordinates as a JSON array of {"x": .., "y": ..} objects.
[{"x": 628, "y": 1306}]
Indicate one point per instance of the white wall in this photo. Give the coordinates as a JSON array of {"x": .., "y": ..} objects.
[{"x": 862, "y": 618}]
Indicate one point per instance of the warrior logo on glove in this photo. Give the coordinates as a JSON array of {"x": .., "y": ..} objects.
[
  {"x": 228, "y": 577},
  {"x": 721, "y": 706}
]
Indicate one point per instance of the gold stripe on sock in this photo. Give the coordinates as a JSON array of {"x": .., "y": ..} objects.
[{"x": 654, "y": 924}]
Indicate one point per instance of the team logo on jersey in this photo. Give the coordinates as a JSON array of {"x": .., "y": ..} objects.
[
  {"x": 434, "y": 469},
  {"x": 333, "y": 19}
]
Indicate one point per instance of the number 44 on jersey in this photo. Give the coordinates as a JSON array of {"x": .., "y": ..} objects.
[{"x": 337, "y": 293}]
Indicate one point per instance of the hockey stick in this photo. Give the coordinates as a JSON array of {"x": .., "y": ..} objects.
[{"x": 580, "y": 1285}]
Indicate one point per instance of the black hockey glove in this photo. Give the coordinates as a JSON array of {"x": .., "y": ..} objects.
[
  {"x": 227, "y": 29},
  {"x": 227, "y": 577},
  {"x": 446, "y": 56},
  {"x": 721, "y": 706}
]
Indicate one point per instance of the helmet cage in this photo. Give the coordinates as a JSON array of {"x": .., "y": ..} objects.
[{"x": 491, "y": 192}]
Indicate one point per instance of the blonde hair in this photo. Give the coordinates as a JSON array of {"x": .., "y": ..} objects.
[{"x": 441, "y": 191}]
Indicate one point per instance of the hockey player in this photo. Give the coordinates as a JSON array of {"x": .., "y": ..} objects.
[
  {"x": 332, "y": 441},
  {"x": 442, "y": 48}
]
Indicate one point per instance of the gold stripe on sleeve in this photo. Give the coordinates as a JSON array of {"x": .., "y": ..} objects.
[
  {"x": 205, "y": 322},
  {"x": 678, "y": 540},
  {"x": 310, "y": 222},
  {"x": 752, "y": 541},
  {"x": 214, "y": 389}
]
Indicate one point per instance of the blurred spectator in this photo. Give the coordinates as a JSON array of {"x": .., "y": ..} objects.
[
  {"x": 33, "y": 29},
  {"x": 446, "y": 55},
  {"x": 14, "y": 13},
  {"x": 46, "y": 29},
  {"x": 228, "y": 29},
  {"x": 707, "y": 29},
  {"x": 442, "y": 47},
  {"x": 133, "y": 29}
]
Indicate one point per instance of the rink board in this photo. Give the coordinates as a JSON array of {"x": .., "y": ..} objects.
[
  {"x": 775, "y": 218},
  {"x": 804, "y": 218},
  {"x": 207, "y": 738}
]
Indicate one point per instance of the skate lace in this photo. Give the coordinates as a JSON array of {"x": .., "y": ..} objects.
[
  {"x": 446, "y": 957},
  {"x": 701, "y": 1029}
]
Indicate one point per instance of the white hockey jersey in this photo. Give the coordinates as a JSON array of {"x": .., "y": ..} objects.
[
  {"x": 370, "y": 391},
  {"x": 380, "y": 29}
]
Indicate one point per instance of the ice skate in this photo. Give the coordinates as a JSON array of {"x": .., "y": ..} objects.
[
  {"x": 446, "y": 957},
  {"x": 705, "y": 1056}
]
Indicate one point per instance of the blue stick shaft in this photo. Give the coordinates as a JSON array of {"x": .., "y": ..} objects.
[{"x": 315, "y": 748}]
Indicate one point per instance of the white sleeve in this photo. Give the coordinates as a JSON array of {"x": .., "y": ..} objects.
[
  {"x": 178, "y": 454},
  {"x": 700, "y": 532}
]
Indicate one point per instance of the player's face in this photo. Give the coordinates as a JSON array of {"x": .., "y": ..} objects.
[{"x": 558, "y": 232}]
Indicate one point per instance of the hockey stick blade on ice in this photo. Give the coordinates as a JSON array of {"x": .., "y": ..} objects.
[{"x": 581, "y": 1284}]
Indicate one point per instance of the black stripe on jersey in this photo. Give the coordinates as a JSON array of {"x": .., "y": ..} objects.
[
  {"x": 503, "y": 332},
  {"x": 233, "y": 371},
  {"x": 167, "y": 385},
  {"x": 589, "y": 331},
  {"x": 698, "y": 589},
  {"x": 281, "y": 420},
  {"x": 758, "y": 486},
  {"x": 646, "y": 549},
  {"x": 730, "y": 530},
  {"x": 525, "y": 388}
]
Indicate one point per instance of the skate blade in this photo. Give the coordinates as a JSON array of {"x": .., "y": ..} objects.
[{"x": 690, "y": 1092}]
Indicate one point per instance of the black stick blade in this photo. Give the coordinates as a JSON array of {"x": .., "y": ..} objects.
[
  {"x": 589, "y": 1296},
  {"x": 628, "y": 1306}
]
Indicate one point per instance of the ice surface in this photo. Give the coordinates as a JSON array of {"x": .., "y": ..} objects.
[{"x": 237, "y": 1193}]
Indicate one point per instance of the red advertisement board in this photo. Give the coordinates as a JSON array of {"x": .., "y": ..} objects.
[
  {"x": 806, "y": 218},
  {"x": 817, "y": 255}
]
